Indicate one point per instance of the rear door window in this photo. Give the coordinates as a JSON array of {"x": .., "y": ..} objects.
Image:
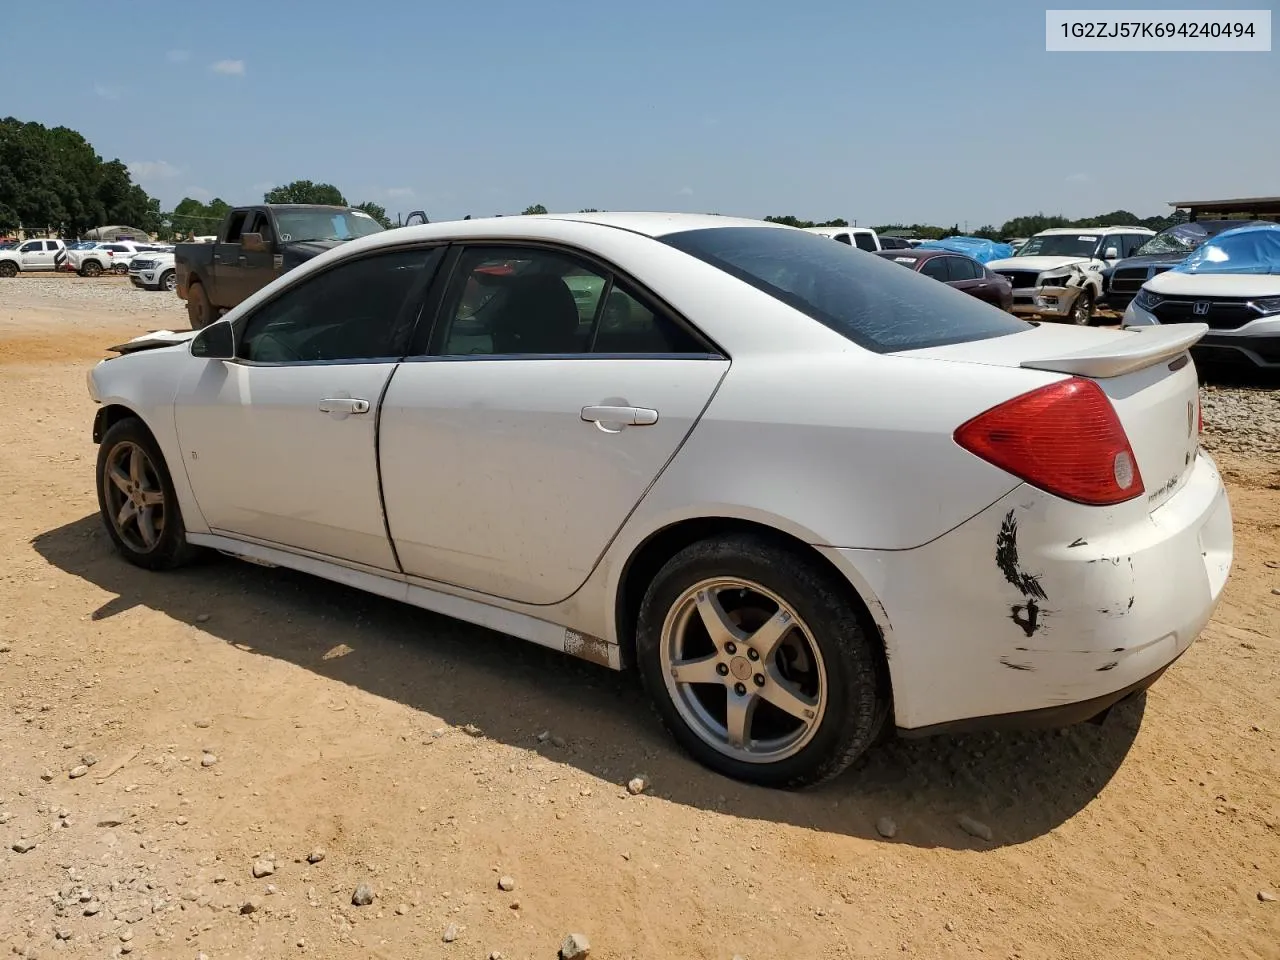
[
  {"x": 864, "y": 241},
  {"x": 869, "y": 300}
]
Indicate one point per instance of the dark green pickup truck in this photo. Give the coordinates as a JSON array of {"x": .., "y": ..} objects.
[{"x": 254, "y": 246}]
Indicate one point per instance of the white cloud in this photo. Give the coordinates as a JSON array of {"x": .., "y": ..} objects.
[
  {"x": 686, "y": 191},
  {"x": 152, "y": 169},
  {"x": 1079, "y": 178},
  {"x": 231, "y": 68},
  {"x": 399, "y": 193},
  {"x": 106, "y": 93},
  {"x": 198, "y": 193},
  {"x": 178, "y": 56}
]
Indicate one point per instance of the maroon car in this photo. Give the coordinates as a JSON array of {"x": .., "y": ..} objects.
[{"x": 956, "y": 270}]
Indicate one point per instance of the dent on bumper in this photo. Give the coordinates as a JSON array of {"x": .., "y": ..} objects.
[
  {"x": 1003, "y": 616},
  {"x": 1045, "y": 301}
]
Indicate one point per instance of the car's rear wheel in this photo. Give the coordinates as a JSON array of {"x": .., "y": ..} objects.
[
  {"x": 761, "y": 663},
  {"x": 1082, "y": 309},
  {"x": 169, "y": 281},
  {"x": 91, "y": 268},
  {"x": 8, "y": 268},
  {"x": 199, "y": 309},
  {"x": 137, "y": 501}
]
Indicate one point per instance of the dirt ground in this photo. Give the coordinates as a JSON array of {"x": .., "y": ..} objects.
[{"x": 229, "y": 714}]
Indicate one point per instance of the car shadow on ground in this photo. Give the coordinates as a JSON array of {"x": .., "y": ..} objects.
[{"x": 1021, "y": 785}]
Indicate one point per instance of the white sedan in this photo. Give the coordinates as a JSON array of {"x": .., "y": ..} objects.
[{"x": 805, "y": 492}]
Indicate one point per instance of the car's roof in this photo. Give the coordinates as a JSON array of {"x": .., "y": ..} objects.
[
  {"x": 826, "y": 230},
  {"x": 1057, "y": 231},
  {"x": 649, "y": 224}
]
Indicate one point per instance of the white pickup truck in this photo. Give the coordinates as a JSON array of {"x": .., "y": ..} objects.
[{"x": 32, "y": 255}]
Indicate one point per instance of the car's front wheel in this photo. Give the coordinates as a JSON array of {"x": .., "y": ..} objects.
[
  {"x": 761, "y": 663},
  {"x": 137, "y": 501},
  {"x": 169, "y": 281},
  {"x": 91, "y": 269},
  {"x": 1082, "y": 309}
]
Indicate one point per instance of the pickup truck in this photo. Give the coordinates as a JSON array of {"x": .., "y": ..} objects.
[{"x": 255, "y": 245}]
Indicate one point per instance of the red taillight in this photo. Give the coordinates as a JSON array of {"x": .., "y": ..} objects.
[{"x": 1064, "y": 438}]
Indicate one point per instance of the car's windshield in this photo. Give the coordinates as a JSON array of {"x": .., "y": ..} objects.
[
  {"x": 296, "y": 225},
  {"x": 861, "y": 296},
  {"x": 1060, "y": 245},
  {"x": 1183, "y": 238}
]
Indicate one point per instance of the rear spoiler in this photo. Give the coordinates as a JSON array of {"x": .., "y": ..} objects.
[{"x": 1133, "y": 348}]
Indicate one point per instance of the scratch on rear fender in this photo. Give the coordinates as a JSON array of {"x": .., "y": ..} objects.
[{"x": 1026, "y": 615}]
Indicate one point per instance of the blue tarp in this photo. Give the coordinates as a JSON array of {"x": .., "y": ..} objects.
[
  {"x": 984, "y": 251},
  {"x": 1251, "y": 249}
]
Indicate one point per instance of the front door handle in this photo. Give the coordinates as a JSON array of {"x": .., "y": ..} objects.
[
  {"x": 344, "y": 405},
  {"x": 606, "y": 416}
]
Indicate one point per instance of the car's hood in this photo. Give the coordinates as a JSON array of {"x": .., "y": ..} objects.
[
  {"x": 1034, "y": 263},
  {"x": 1171, "y": 283},
  {"x": 1150, "y": 259},
  {"x": 154, "y": 340}
]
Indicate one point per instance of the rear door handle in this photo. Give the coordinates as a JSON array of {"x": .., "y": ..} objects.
[
  {"x": 624, "y": 416},
  {"x": 344, "y": 405}
]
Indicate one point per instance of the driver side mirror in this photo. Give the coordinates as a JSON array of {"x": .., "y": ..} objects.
[
  {"x": 215, "y": 342},
  {"x": 1111, "y": 253},
  {"x": 252, "y": 243}
]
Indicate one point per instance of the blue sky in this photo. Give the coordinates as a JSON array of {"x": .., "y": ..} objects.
[{"x": 880, "y": 112}]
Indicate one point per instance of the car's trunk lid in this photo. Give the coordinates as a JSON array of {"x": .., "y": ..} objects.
[{"x": 1150, "y": 381}]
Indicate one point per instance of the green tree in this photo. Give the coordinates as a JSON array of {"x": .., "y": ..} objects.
[
  {"x": 304, "y": 191},
  {"x": 52, "y": 177},
  {"x": 377, "y": 212},
  {"x": 193, "y": 218},
  {"x": 535, "y": 209}
]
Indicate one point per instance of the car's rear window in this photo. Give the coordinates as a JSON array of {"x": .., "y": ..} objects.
[{"x": 870, "y": 300}]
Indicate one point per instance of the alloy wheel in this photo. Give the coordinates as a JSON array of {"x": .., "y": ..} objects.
[
  {"x": 135, "y": 497},
  {"x": 743, "y": 670}
]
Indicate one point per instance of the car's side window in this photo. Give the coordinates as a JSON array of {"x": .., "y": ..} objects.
[
  {"x": 865, "y": 241},
  {"x": 30, "y": 247},
  {"x": 844, "y": 238},
  {"x": 936, "y": 267},
  {"x": 354, "y": 311},
  {"x": 236, "y": 227},
  {"x": 532, "y": 302},
  {"x": 962, "y": 268}
]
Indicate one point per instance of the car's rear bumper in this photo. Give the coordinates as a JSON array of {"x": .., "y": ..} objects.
[{"x": 1099, "y": 612}]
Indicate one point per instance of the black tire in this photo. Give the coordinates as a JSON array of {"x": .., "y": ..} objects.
[
  {"x": 121, "y": 269},
  {"x": 91, "y": 268},
  {"x": 858, "y": 692},
  {"x": 8, "y": 269},
  {"x": 170, "y": 548},
  {"x": 1082, "y": 309},
  {"x": 199, "y": 309},
  {"x": 169, "y": 281}
]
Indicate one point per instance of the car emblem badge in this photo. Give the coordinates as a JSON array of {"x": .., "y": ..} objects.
[{"x": 1200, "y": 308}]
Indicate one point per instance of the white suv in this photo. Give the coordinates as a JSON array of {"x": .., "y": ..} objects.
[
  {"x": 103, "y": 257},
  {"x": 154, "y": 270},
  {"x": 864, "y": 238},
  {"x": 1058, "y": 273},
  {"x": 32, "y": 255}
]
